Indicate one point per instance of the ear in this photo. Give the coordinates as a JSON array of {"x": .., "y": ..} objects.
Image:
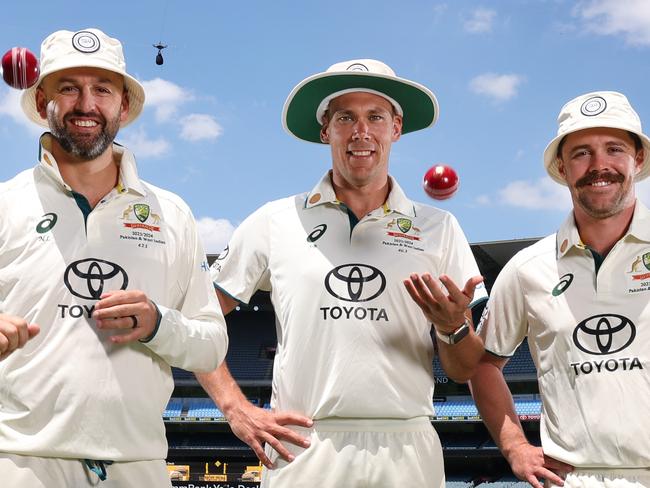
[
  {"x": 124, "y": 108},
  {"x": 41, "y": 102},
  {"x": 397, "y": 127},
  {"x": 324, "y": 136},
  {"x": 560, "y": 167},
  {"x": 638, "y": 160}
]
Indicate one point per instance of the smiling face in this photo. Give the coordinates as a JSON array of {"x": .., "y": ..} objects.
[
  {"x": 360, "y": 128},
  {"x": 84, "y": 108},
  {"x": 599, "y": 166}
]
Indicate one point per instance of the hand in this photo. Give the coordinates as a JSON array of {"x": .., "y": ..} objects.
[
  {"x": 14, "y": 334},
  {"x": 529, "y": 463},
  {"x": 126, "y": 310},
  {"x": 445, "y": 311},
  {"x": 256, "y": 426}
]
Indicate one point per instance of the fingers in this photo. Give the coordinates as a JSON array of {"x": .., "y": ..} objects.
[
  {"x": 424, "y": 290},
  {"x": 14, "y": 333},
  {"x": 549, "y": 475},
  {"x": 291, "y": 436},
  {"x": 532, "y": 479},
  {"x": 258, "y": 449},
  {"x": 256, "y": 427},
  {"x": 120, "y": 297},
  {"x": 557, "y": 465},
  {"x": 415, "y": 295},
  {"x": 292, "y": 418},
  {"x": 470, "y": 286},
  {"x": 444, "y": 308},
  {"x": 124, "y": 310},
  {"x": 278, "y": 447},
  {"x": 136, "y": 334}
]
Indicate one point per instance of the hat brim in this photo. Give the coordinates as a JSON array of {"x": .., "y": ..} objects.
[
  {"x": 135, "y": 92},
  {"x": 418, "y": 103},
  {"x": 550, "y": 153}
]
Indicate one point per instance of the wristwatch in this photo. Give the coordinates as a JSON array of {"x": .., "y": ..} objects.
[{"x": 456, "y": 336}]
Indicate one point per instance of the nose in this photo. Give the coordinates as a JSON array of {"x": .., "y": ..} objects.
[
  {"x": 599, "y": 160},
  {"x": 360, "y": 131},
  {"x": 85, "y": 101}
]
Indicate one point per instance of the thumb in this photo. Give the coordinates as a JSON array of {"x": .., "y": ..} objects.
[
  {"x": 471, "y": 285},
  {"x": 33, "y": 330}
]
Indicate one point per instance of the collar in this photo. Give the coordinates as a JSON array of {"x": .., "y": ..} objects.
[
  {"x": 397, "y": 200},
  {"x": 568, "y": 236},
  {"x": 127, "y": 180}
]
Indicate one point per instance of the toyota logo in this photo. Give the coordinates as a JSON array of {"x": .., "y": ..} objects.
[
  {"x": 355, "y": 282},
  {"x": 89, "y": 277},
  {"x": 604, "y": 334}
]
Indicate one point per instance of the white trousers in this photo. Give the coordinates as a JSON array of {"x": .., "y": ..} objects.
[
  {"x": 607, "y": 478},
  {"x": 361, "y": 453},
  {"x": 41, "y": 472}
]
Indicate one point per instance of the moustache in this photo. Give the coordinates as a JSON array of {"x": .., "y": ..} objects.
[{"x": 603, "y": 176}]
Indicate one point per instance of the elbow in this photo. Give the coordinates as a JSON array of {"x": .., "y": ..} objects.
[
  {"x": 462, "y": 376},
  {"x": 216, "y": 354}
]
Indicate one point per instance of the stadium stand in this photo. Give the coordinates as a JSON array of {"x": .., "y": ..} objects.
[{"x": 202, "y": 449}]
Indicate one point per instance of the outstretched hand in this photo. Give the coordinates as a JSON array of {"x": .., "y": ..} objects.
[{"x": 445, "y": 310}]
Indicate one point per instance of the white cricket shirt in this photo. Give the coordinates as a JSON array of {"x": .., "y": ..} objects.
[
  {"x": 70, "y": 392},
  {"x": 351, "y": 342},
  {"x": 588, "y": 334}
]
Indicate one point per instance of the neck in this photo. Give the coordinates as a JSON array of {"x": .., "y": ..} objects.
[
  {"x": 93, "y": 179},
  {"x": 602, "y": 234},
  {"x": 361, "y": 200}
]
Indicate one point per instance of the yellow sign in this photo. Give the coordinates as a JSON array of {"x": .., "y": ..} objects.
[
  {"x": 178, "y": 472},
  {"x": 215, "y": 477}
]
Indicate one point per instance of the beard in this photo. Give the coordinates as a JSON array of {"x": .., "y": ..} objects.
[
  {"x": 594, "y": 206},
  {"x": 85, "y": 148}
]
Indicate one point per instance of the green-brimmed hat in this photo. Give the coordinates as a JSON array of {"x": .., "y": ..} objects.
[{"x": 308, "y": 101}]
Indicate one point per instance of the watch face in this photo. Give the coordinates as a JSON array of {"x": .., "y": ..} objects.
[{"x": 457, "y": 336}]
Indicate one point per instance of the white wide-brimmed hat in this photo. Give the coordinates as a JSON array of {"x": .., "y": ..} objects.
[
  {"x": 308, "y": 101},
  {"x": 597, "y": 109},
  {"x": 88, "y": 48}
]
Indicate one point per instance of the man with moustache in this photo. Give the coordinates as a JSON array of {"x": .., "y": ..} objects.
[
  {"x": 581, "y": 298},
  {"x": 111, "y": 269},
  {"x": 352, "y": 379}
]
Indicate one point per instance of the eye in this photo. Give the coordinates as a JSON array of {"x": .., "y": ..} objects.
[
  {"x": 344, "y": 118},
  {"x": 376, "y": 117},
  {"x": 67, "y": 89},
  {"x": 580, "y": 154}
]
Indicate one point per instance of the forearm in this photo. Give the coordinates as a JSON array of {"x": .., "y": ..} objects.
[
  {"x": 495, "y": 404},
  {"x": 223, "y": 389}
]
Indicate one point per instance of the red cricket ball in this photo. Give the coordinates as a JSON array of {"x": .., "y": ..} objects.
[
  {"x": 20, "y": 68},
  {"x": 440, "y": 182}
]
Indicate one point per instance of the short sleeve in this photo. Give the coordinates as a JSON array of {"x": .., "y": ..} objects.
[
  {"x": 242, "y": 268},
  {"x": 504, "y": 325}
]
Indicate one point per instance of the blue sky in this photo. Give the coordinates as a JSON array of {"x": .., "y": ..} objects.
[{"x": 211, "y": 129}]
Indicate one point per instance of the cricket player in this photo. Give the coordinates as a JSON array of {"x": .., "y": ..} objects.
[
  {"x": 110, "y": 270},
  {"x": 581, "y": 297},
  {"x": 352, "y": 382}
]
